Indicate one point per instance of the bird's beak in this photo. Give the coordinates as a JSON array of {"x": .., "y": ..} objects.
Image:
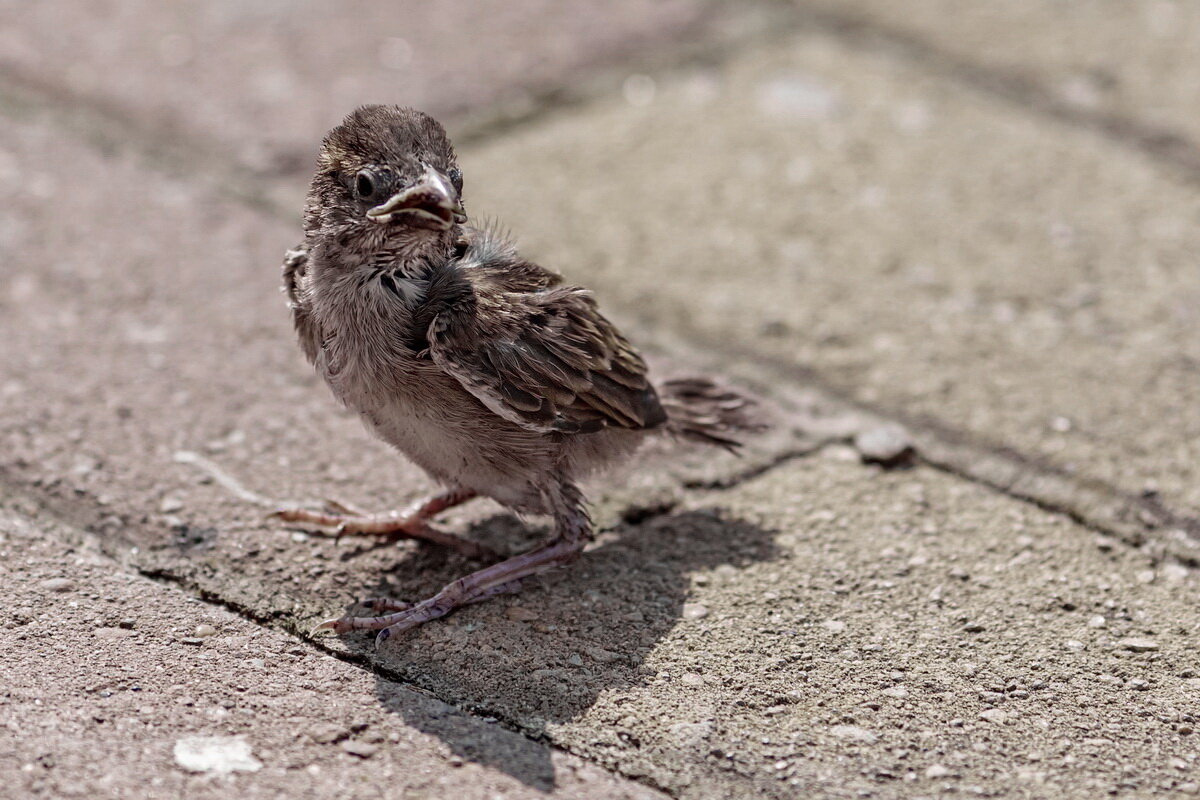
[{"x": 432, "y": 197}]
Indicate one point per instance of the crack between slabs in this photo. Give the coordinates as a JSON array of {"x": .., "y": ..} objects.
[
  {"x": 70, "y": 515},
  {"x": 1025, "y": 91}
]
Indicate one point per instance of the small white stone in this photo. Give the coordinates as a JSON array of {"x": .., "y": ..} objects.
[
  {"x": 360, "y": 749},
  {"x": 58, "y": 585},
  {"x": 1174, "y": 573},
  {"x": 936, "y": 771},
  {"x": 797, "y": 96},
  {"x": 853, "y": 733},
  {"x": 639, "y": 90},
  {"x": 217, "y": 754},
  {"x": 1137, "y": 645}
]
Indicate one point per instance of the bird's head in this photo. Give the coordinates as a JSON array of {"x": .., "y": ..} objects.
[{"x": 387, "y": 176}]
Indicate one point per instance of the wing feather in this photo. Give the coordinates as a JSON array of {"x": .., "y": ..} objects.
[{"x": 543, "y": 358}]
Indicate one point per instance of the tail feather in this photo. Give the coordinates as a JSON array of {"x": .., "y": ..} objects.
[{"x": 700, "y": 410}]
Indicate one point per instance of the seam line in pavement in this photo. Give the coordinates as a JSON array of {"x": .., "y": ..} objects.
[
  {"x": 11, "y": 490},
  {"x": 1026, "y": 92},
  {"x": 1091, "y": 502}
]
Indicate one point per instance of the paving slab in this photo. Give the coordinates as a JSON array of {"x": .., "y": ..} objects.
[
  {"x": 835, "y": 630},
  {"x": 995, "y": 279},
  {"x": 264, "y": 81},
  {"x": 1127, "y": 68},
  {"x": 117, "y": 686}
]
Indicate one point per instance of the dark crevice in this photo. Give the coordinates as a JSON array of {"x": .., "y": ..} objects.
[
  {"x": 750, "y": 473},
  {"x": 79, "y": 516},
  {"x": 365, "y": 662}
]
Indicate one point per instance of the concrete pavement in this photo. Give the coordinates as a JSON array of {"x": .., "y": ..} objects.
[
  {"x": 822, "y": 208},
  {"x": 116, "y": 686}
]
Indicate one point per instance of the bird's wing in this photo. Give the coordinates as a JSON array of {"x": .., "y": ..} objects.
[
  {"x": 546, "y": 360},
  {"x": 296, "y": 285}
]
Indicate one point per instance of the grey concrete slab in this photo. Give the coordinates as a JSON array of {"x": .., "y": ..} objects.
[
  {"x": 834, "y": 630},
  {"x": 1000, "y": 281},
  {"x": 111, "y": 679},
  {"x": 1128, "y": 68},
  {"x": 264, "y": 81}
]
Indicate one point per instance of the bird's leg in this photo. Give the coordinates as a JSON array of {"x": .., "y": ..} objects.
[
  {"x": 409, "y": 524},
  {"x": 573, "y": 529}
]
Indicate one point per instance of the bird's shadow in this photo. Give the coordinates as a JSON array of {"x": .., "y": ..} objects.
[{"x": 577, "y": 633}]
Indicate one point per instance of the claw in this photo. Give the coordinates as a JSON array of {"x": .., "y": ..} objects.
[{"x": 327, "y": 625}]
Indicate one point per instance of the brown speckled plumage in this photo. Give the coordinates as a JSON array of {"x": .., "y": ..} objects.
[{"x": 483, "y": 368}]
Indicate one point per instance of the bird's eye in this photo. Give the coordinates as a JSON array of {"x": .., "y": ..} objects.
[
  {"x": 365, "y": 184},
  {"x": 455, "y": 176}
]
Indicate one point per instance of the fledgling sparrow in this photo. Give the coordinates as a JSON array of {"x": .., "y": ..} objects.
[{"x": 483, "y": 368}]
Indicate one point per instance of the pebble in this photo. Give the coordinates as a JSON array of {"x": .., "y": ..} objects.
[
  {"x": 694, "y": 611},
  {"x": 1138, "y": 684},
  {"x": 602, "y": 656},
  {"x": 937, "y": 771},
  {"x": 327, "y": 732},
  {"x": 797, "y": 96},
  {"x": 853, "y": 733},
  {"x": 898, "y": 692},
  {"x": 1137, "y": 645},
  {"x": 884, "y": 444},
  {"x": 995, "y": 715},
  {"x": 1174, "y": 573},
  {"x": 1097, "y": 622},
  {"x": 360, "y": 749},
  {"x": 521, "y": 614},
  {"x": 58, "y": 585},
  {"x": 204, "y": 631},
  {"x": 691, "y": 679},
  {"x": 113, "y": 633},
  {"x": 170, "y": 505},
  {"x": 127, "y": 623},
  {"x": 215, "y": 754},
  {"x": 575, "y": 660},
  {"x": 834, "y": 626},
  {"x": 974, "y": 627}
]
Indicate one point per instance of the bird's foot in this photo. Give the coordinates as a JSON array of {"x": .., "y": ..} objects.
[
  {"x": 339, "y": 519},
  {"x": 502, "y": 578},
  {"x": 408, "y": 615}
]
